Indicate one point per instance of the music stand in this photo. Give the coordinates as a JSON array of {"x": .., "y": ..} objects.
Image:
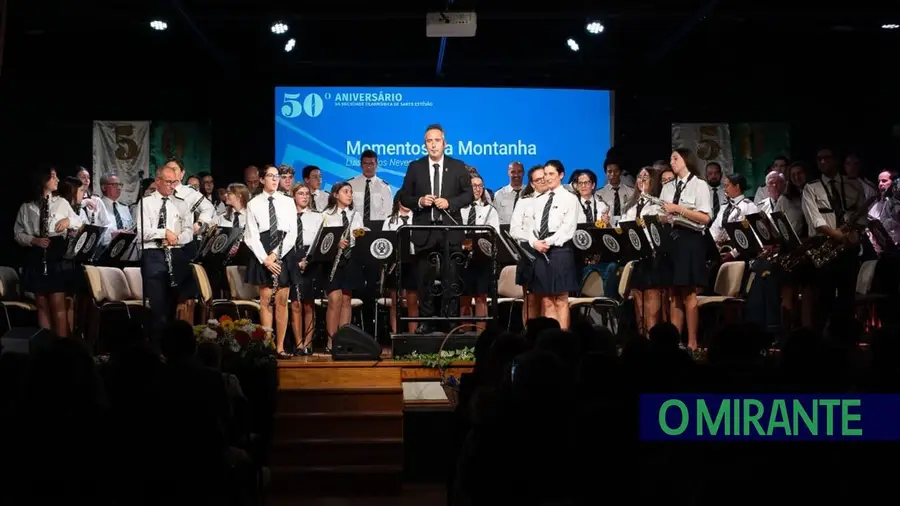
[
  {"x": 326, "y": 245},
  {"x": 482, "y": 246},
  {"x": 205, "y": 240},
  {"x": 82, "y": 246},
  {"x": 640, "y": 243},
  {"x": 378, "y": 246},
  {"x": 522, "y": 249},
  {"x": 660, "y": 237},
  {"x": 765, "y": 231},
  {"x": 216, "y": 246},
  {"x": 789, "y": 237},
  {"x": 119, "y": 249},
  {"x": 743, "y": 239}
]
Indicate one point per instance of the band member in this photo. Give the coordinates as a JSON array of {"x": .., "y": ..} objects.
[
  {"x": 853, "y": 170},
  {"x": 70, "y": 189},
  {"x": 649, "y": 276},
  {"x": 303, "y": 275},
  {"x": 120, "y": 214},
  {"x": 506, "y": 198},
  {"x": 194, "y": 182},
  {"x": 348, "y": 275},
  {"x": 798, "y": 282},
  {"x": 435, "y": 188},
  {"x": 286, "y": 183},
  {"x": 735, "y": 208},
  {"x": 371, "y": 195},
  {"x": 687, "y": 197},
  {"x": 780, "y": 165},
  {"x": 318, "y": 199},
  {"x": 237, "y": 196},
  {"x": 714, "y": 180},
  {"x": 615, "y": 192},
  {"x": 887, "y": 208},
  {"x": 519, "y": 228},
  {"x": 554, "y": 219},
  {"x": 251, "y": 180},
  {"x": 270, "y": 234},
  {"x": 165, "y": 228},
  {"x": 775, "y": 185},
  {"x": 885, "y": 213},
  {"x": 790, "y": 202},
  {"x": 667, "y": 175},
  {"x": 594, "y": 209},
  {"x": 400, "y": 216},
  {"x": 478, "y": 275},
  {"x": 41, "y": 227}
]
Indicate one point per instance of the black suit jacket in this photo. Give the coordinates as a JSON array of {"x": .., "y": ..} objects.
[{"x": 456, "y": 187}]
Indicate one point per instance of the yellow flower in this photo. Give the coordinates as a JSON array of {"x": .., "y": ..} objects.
[
  {"x": 618, "y": 230},
  {"x": 745, "y": 223},
  {"x": 599, "y": 224},
  {"x": 228, "y": 326},
  {"x": 242, "y": 322}
]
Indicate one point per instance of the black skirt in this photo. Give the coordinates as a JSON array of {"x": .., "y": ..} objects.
[
  {"x": 559, "y": 275},
  {"x": 58, "y": 277},
  {"x": 305, "y": 284},
  {"x": 477, "y": 278},
  {"x": 258, "y": 275},
  {"x": 686, "y": 258},
  {"x": 524, "y": 272},
  {"x": 653, "y": 272},
  {"x": 347, "y": 277},
  {"x": 408, "y": 274}
]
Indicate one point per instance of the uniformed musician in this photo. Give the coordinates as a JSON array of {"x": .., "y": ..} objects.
[
  {"x": 615, "y": 192},
  {"x": 519, "y": 228},
  {"x": 506, "y": 198},
  {"x": 118, "y": 212},
  {"x": 477, "y": 275},
  {"x": 554, "y": 219},
  {"x": 304, "y": 276},
  {"x": 593, "y": 208},
  {"x": 687, "y": 197},
  {"x": 286, "y": 181},
  {"x": 735, "y": 208},
  {"x": 271, "y": 233},
  {"x": 237, "y": 196},
  {"x": 348, "y": 275},
  {"x": 649, "y": 276},
  {"x": 401, "y": 215},
  {"x": 716, "y": 192},
  {"x": 165, "y": 229},
  {"x": 775, "y": 184},
  {"x": 318, "y": 199},
  {"x": 799, "y": 282},
  {"x": 78, "y": 303},
  {"x": 372, "y": 196},
  {"x": 236, "y": 199}
]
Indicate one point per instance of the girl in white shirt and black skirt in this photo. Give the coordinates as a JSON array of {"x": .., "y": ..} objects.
[
  {"x": 270, "y": 233},
  {"x": 348, "y": 276},
  {"x": 688, "y": 196},
  {"x": 401, "y": 216},
  {"x": 477, "y": 276},
  {"x": 41, "y": 226},
  {"x": 519, "y": 227},
  {"x": 554, "y": 218},
  {"x": 304, "y": 276}
]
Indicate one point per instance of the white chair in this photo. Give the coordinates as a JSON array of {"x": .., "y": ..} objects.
[
  {"x": 109, "y": 291},
  {"x": 728, "y": 290},
  {"x": 206, "y": 295},
  {"x": 135, "y": 281},
  {"x": 508, "y": 292},
  {"x": 243, "y": 295},
  {"x": 593, "y": 298},
  {"x": 11, "y": 294}
]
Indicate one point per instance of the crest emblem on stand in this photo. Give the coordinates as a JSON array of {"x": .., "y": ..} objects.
[{"x": 582, "y": 240}]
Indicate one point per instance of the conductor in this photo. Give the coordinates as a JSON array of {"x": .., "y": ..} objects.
[{"x": 435, "y": 188}]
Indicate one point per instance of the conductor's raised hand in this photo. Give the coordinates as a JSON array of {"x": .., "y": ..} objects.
[{"x": 426, "y": 201}]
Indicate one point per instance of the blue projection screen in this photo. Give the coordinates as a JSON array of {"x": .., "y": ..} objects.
[{"x": 487, "y": 128}]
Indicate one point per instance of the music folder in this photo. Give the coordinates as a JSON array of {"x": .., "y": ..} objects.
[
  {"x": 84, "y": 243},
  {"x": 742, "y": 238},
  {"x": 326, "y": 245},
  {"x": 483, "y": 245},
  {"x": 119, "y": 249},
  {"x": 660, "y": 236},
  {"x": 522, "y": 248},
  {"x": 640, "y": 244},
  {"x": 765, "y": 231},
  {"x": 379, "y": 247},
  {"x": 787, "y": 234}
]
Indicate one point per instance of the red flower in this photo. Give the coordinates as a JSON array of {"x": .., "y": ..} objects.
[
  {"x": 242, "y": 338},
  {"x": 259, "y": 334},
  {"x": 224, "y": 318}
]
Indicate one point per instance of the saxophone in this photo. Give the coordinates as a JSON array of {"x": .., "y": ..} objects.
[
  {"x": 676, "y": 219},
  {"x": 825, "y": 253}
]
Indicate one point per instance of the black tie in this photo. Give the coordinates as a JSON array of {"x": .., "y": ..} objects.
[
  {"x": 367, "y": 201},
  {"x": 161, "y": 223},
  {"x": 119, "y": 225},
  {"x": 545, "y": 218},
  {"x": 312, "y": 201},
  {"x": 728, "y": 210},
  {"x": 345, "y": 222},
  {"x": 45, "y": 217},
  {"x": 436, "y": 180},
  {"x": 299, "y": 232},
  {"x": 837, "y": 205},
  {"x": 678, "y": 187},
  {"x": 470, "y": 220},
  {"x": 617, "y": 203},
  {"x": 588, "y": 212},
  {"x": 405, "y": 219},
  {"x": 640, "y": 207},
  {"x": 715, "y": 201},
  {"x": 516, "y": 200},
  {"x": 236, "y": 219},
  {"x": 273, "y": 225}
]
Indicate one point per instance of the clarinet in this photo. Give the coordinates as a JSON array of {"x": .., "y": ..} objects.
[
  {"x": 275, "y": 276},
  {"x": 45, "y": 232},
  {"x": 337, "y": 258},
  {"x": 169, "y": 266}
]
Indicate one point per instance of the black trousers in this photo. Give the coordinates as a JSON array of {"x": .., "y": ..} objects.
[
  {"x": 445, "y": 262},
  {"x": 157, "y": 283},
  {"x": 837, "y": 289}
]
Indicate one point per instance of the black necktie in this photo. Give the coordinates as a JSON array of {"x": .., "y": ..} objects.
[
  {"x": 312, "y": 201},
  {"x": 161, "y": 223},
  {"x": 678, "y": 187},
  {"x": 273, "y": 225},
  {"x": 470, "y": 220},
  {"x": 617, "y": 203},
  {"x": 728, "y": 210},
  {"x": 367, "y": 201},
  {"x": 45, "y": 217},
  {"x": 436, "y": 180},
  {"x": 716, "y": 204},
  {"x": 405, "y": 219},
  {"x": 236, "y": 219},
  {"x": 545, "y": 218},
  {"x": 837, "y": 204},
  {"x": 640, "y": 207},
  {"x": 119, "y": 225},
  {"x": 516, "y": 200},
  {"x": 588, "y": 212},
  {"x": 344, "y": 220},
  {"x": 299, "y": 231}
]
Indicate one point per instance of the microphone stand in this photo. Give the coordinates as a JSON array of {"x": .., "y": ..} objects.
[{"x": 140, "y": 238}]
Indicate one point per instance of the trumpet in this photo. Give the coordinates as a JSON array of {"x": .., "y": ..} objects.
[{"x": 678, "y": 220}]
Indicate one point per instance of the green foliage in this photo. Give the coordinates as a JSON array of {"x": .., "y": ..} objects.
[{"x": 440, "y": 360}]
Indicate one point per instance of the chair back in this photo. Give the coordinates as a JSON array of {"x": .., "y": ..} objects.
[
  {"x": 592, "y": 285},
  {"x": 95, "y": 283},
  {"x": 625, "y": 280},
  {"x": 506, "y": 284},
  {"x": 202, "y": 279},
  {"x": 135, "y": 282},
  {"x": 114, "y": 284},
  {"x": 865, "y": 277},
  {"x": 728, "y": 279},
  {"x": 10, "y": 288}
]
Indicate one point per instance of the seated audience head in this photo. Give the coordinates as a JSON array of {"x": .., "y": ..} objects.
[{"x": 178, "y": 341}]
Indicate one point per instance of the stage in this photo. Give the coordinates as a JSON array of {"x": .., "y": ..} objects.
[{"x": 339, "y": 425}]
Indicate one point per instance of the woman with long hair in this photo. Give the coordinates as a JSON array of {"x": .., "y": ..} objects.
[
  {"x": 304, "y": 275},
  {"x": 41, "y": 226},
  {"x": 649, "y": 276},
  {"x": 348, "y": 276},
  {"x": 71, "y": 189},
  {"x": 400, "y": 216},
  {"x": 236, "y": 198},
  {"x": 796, "y": 286},
  {"x": 477, "y": 276},
  {"x": 519, "y": 225},
  {"x": 688, "y": 196},
  {"x": 270, "y": 233}
]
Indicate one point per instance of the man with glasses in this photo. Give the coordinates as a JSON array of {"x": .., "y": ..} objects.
[
  {"x": 615, "y": 193},
  {"x": 112, "y": 190}
]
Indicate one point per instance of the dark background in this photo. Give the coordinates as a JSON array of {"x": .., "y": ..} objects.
[{"x": 829, "y": 72}]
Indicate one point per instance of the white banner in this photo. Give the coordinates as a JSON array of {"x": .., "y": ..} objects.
[
  {"x": 122, "y": 148},
  {"x": 711, "y": 142}
]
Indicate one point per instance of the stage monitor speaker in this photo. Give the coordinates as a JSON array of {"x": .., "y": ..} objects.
[
  {"x": 25, "y": 340},
  {"x": 353, "y": 343}
]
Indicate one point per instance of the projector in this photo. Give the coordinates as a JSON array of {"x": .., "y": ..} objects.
[{"x": 450, "y": 24}]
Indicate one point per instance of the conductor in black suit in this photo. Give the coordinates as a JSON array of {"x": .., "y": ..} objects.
[{"x": 435, "y": 188}]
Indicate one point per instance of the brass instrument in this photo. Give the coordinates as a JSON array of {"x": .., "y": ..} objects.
[
  {"x": 675, "y": 219},
  {"x": 831, "y": 249}
]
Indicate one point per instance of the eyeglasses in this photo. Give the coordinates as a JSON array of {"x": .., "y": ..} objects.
[
  {"x": 538, "y": 180},
  {"x": 272, "y": 176},
  {"x": 582, "y": 183},
  {"x": 477, "y": 186},
  {"x": 170, "y": 182},
  {"x": 117, "y": 185},
  {"x": 302, "y": 194}
]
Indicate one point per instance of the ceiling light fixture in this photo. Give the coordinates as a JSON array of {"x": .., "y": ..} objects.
[
  {"x": 158, "y": 25},
  {"x": 279, "y": 28},
  {"x": 890, "y": 26},
  {"x": 290, "y": 45},
  {"x": 572, "y": 44},
  {"x": 594, "y": 28}
]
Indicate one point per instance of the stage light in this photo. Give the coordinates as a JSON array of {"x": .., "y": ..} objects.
[
  {"x": 594, "y": 28},
  {"x": 572, "y": 45},
  {"x": 158, "y": 25},
  {"x": 890, "y": 26},
  {"x": 290, "y": 45},
  {"x": 279, "y": 28}
]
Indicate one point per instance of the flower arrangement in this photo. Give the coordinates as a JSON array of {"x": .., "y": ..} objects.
[
  {"x": 443, "y": 359},
  {"x": 359, "y": 232},
  {"x": 242, "y": 337}
]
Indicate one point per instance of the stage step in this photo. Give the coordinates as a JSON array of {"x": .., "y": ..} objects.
[
  {"x": 341, "y": 400},
  {"x": 336, "y": 424},
  {"x": 338, "y": 452},
  {"x": 379, "y": 480}
]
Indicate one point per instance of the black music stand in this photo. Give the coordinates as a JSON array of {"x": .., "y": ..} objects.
[
  {"x": 119, "y": 250},
  {"x": 482, "y": 247},
  {"x": 378, "y": 247},
  {"x": 764, "y": 229},
  {"x": 660, "y": 237},
  {"x": 82, "y": 246},
  {"x": 640, "y": 243},
  {"x": 216, "y": 246},
  {"x": 326, "y": 245},
  {"x": 205, "y": 241},
  {"x": 743, "y": 239},
  {"x": 789, "y": 237},
  {"x": 523, "y": 249}
]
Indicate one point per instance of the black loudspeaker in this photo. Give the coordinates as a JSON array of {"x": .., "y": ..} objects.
[
  {"x": 26, "y": 340},
  {"x": 353, "y": 343}
]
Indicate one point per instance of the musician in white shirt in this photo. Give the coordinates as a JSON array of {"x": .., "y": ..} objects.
[
  {"x": 348, "y": 274},
  {"x": 780, "y": 165},
  {"x": 519, "y": 228},
  {"x": 372, "y": 197},
  {"x": 237, "y": 196},
  {"x": 41, "y": 226},
  {"x": 506, "y": 198},
  {"x": 554, "y": 219},
  {"x": 400, "y": 216},
  {"x": 688, "y": 197},
  {"x": 271, "y": 233},
  {"x": 312, "y": 176},
  {"x": 853, "y": 171},
  {"x": 775, "y": 185},
  {"x": 304, "y": 274},
  {"x": 615, "y": 193},
  {"x": 735, "y": 208},
  {"x": 593, "y": 208},
  {"x": 119, "y": 213},
  {"x": 714, "y": 180},
  {"x": 478, "y": 274}
]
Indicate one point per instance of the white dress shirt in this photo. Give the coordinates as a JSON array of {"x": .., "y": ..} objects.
[
  {"x": 227, "y": 219},
  {"x": 320, "y": 197},
  {"x": 176, "y": 221},
  {"x": 608, "y": 195},
  {"x": 597, "y": 206},
  {"x": 563, "y": 219},
  {"x": 817, "y": 207},
  {"x": 99, "y": 217},
  {"x": 124, "y": 213},
  {"x": 761, "y": 194},
  {"x": 695, "y": 195},
  {"x": 793, "y": 211},
  {"x": 312, "y": 223},
  {"x": 391, "y": 224},
  {"x": 334, "y": 218},
  {"x": 741, "y": 207},
  {"x": 767, "y": 205},
  {"x": 194, "y": 202},
  {"x": 28, "y": 220},
  {"x": 520, "y": 222},
  {"x": 258, "y": 221},
  {"x": 649, "y": 209},
  {"x": 505, "y": 200},
  {"x": 485, "y": 214},
  {"x": 381, "y": 198}
]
